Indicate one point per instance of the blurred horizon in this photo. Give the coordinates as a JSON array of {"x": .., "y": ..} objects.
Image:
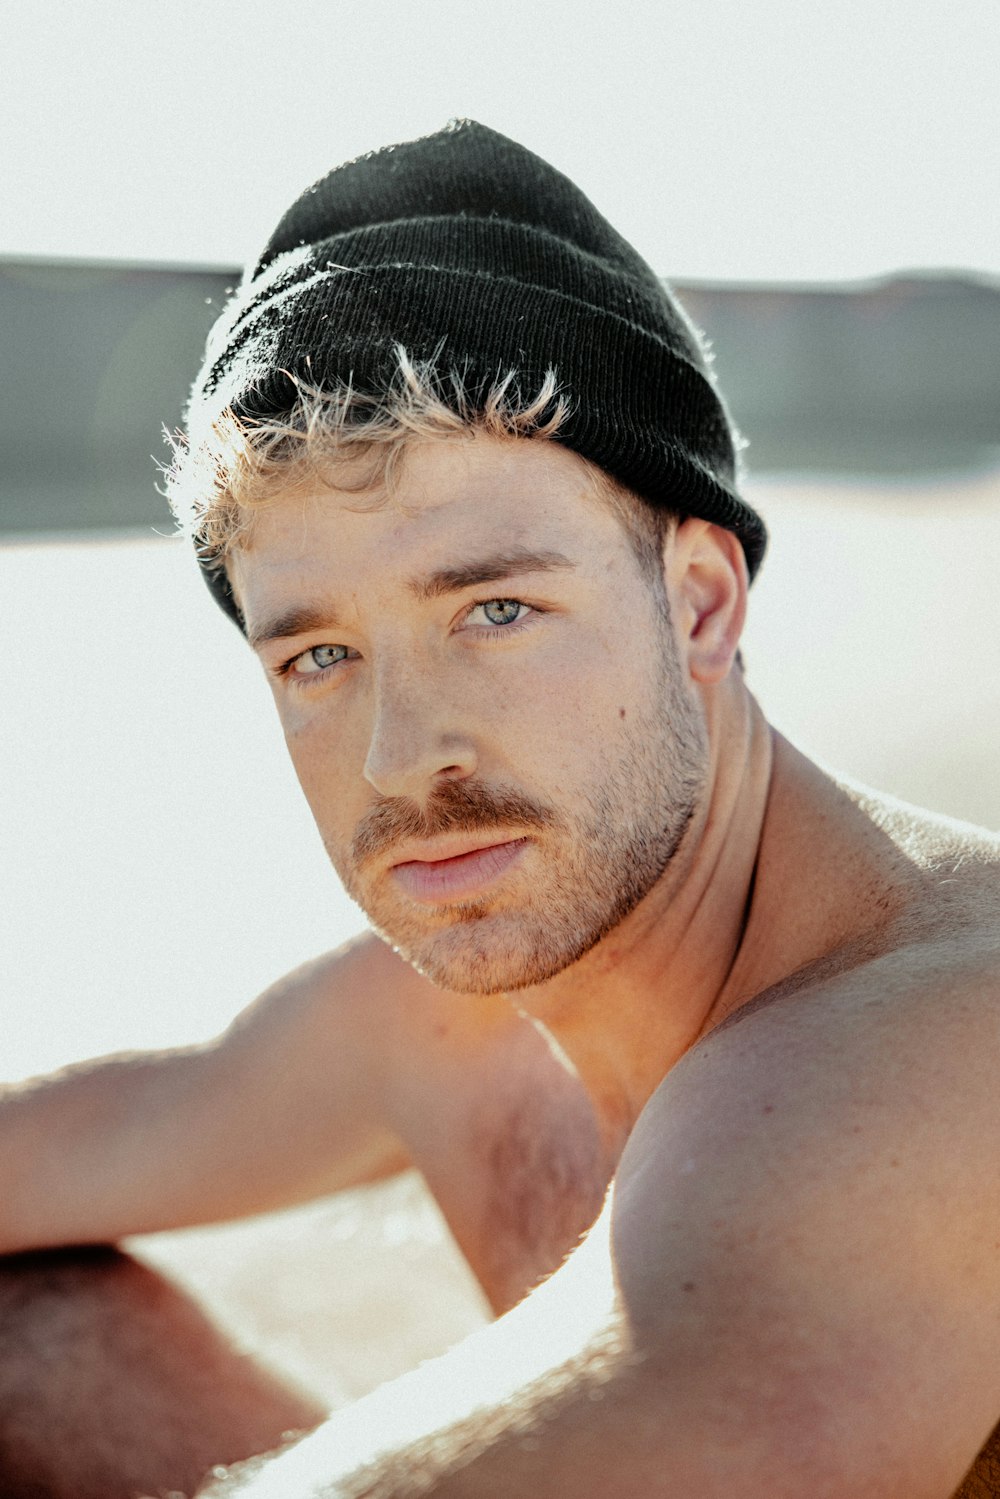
[{"x": 897, "y": 376}]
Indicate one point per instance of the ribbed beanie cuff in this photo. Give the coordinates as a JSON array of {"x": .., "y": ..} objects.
[{"x": 479, "y": 258}]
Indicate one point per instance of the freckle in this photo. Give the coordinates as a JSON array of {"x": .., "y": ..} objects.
[
  {"x": 856, "y": 1129},
  {"x": 621, "y": 712},
  {"x": 894, "y": 1161},
  {"x": 688, "y": 1285}
]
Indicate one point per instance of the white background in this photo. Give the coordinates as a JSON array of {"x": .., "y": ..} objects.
[{"x": 743, "y": 139}]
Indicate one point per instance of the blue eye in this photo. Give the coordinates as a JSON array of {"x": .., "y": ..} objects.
[
  {"x": 501, "y": 611},
  {"x": 318, "y": 659}
]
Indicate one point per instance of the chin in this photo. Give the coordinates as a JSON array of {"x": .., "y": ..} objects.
[{"x": 486, "y": 954}]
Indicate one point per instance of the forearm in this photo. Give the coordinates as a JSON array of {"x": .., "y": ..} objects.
[
  {"x": 287, "y": 1105},
  {"x": 75, "y": 1164},
  {"x": 137, "y": 1143}
]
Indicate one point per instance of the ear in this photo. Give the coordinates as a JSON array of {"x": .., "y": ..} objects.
[{"x": 707, "y": 584}]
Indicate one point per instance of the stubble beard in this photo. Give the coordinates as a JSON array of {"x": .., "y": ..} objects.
[{"x": 589, "y": 870}]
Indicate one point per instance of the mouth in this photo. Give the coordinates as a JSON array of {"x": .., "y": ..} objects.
[{"x": 460, "y": 875}]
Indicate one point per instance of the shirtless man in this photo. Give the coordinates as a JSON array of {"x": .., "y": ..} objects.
[{"x": 459, "y": 470}]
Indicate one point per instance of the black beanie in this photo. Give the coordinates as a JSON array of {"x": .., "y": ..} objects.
[{"x": 478, "y": 257}]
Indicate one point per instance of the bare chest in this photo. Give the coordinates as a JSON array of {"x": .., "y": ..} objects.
[
  {"x": 519, "y": 1169},
  {"x": 522, "y": 1200}
]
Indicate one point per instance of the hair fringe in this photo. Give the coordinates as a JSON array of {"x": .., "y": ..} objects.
[{"x": 341, "y": 438}]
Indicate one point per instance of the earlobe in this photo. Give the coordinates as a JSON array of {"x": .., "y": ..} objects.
[{"x": 710, "y": 584}]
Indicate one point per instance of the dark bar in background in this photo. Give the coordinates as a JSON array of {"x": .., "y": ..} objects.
[{"x": 899, "y": 377}]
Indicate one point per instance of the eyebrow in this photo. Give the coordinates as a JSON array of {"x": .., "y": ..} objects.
[
  {"x": 491, "y": 569},
  {"x": 301, "y": 619}
]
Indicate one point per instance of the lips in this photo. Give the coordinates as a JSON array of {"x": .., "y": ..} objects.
[{"x": 459, "y": 876}]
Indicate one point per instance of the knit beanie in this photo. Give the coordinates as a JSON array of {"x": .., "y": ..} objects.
[{"x": 478, "y": 257}]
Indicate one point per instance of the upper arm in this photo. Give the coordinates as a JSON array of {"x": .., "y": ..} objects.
[
  {"x": 807, "y": 1233},
  {"x": 288, "y": 1103}
]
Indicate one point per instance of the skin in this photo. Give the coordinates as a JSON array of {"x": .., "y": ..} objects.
[
  {"x": 432, "y": 701},
  {"x": 749, "y": 1131}
]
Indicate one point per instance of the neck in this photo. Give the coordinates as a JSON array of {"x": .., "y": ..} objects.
[{"x": 626, "y": 1013}]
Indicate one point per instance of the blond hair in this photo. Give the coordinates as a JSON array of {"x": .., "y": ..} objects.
[{"x": 354, "y": 441}]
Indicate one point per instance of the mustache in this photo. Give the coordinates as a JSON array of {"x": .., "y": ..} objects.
[{"x": 455, "y": 806}]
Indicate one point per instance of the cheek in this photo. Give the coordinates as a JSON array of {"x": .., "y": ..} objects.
[
  {"x": 321, "y": 727},
  {"x": 578, "y": 714},
  {"x": 326, "y": 764}
]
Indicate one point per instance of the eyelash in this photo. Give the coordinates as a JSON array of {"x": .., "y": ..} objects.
[
  {"x": 286, "y": 670},
  {"x": 486, "y": 632}
]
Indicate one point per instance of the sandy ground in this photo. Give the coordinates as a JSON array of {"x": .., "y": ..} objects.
[
  {"x": 341, "y": 1294},
  {"x": 159, "y": 866}
]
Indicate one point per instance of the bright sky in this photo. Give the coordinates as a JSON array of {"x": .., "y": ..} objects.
[{"x": 734, "y": 139}]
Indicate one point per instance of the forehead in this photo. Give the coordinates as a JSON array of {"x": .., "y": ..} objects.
[{"x": 447, "y": 497}]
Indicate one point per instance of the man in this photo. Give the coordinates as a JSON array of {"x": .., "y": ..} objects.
[{"x": 457, "y": 467}]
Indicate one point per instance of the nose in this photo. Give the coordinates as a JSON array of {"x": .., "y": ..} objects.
[{"x": 415, "y": 742}]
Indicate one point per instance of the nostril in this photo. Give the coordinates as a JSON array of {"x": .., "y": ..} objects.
[{"x": 452, "y": 772}]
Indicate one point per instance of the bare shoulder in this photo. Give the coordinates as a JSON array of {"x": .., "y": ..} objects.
[
  {"x": 357, "y": 994},
  {"x": 851, "y": 1052},
  {"x": 951, "y": 852},
  {"x": 894, "y": 1030},
  {"x": 362, "y": 1001},
  {"x": 433, "y": 1061},
  {"x": 814, "y": 1193},
  {"x": 915, "y": 973}
]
